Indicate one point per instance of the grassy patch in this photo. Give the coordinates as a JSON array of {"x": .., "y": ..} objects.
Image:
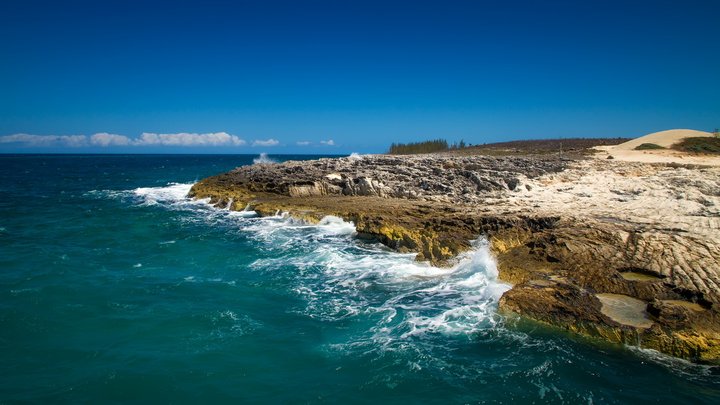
[
  {"x": 648, "y": 146},
  {"x": 699, "y": 145}
]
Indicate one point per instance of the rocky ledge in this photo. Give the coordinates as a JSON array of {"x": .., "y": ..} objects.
[{"x": 624, "y": 251}]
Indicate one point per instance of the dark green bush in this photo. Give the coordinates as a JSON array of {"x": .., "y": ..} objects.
[
  {"x": 699, "y": 145},
  {"x": 648, "y": 146}
]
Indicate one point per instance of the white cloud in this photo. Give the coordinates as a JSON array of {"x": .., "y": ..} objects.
[
  {"x": 329, "y": 142},
  {"x": 189, "y": 139},
  {"x": 45, "y": 140},
  {"x": 267, "y": 142},
  {"x": 302, "y": 143},
  {"x": 105, "y": 139}
]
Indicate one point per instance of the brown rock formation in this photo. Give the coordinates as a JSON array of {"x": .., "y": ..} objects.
[{"x": 625, "y": 251}]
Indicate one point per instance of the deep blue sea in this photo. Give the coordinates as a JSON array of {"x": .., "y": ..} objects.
[{"x": 114, "y": 287}]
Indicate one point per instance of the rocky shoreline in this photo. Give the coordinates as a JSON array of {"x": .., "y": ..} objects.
[{"x": 625, "y": 251}]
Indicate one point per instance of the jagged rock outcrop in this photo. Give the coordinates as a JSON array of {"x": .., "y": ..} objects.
[
  {"x": 460, "y": 179},
  {"x": 578, "y": 239}
]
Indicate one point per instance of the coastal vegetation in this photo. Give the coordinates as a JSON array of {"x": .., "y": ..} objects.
[
  {"x": 699, "y": 145},
  {"x": 564, "y": 146},
  {"x": 648, "y": 146},
  {"x": 437, "y": 145}
]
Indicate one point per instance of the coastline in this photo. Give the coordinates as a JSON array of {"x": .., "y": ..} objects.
[{"x": 580, "y": 240}]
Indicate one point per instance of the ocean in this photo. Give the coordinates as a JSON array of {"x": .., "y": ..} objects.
[{"x": 114, "y": 287}]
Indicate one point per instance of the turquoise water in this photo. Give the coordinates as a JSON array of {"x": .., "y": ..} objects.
[{"x": 114, "y": 287}]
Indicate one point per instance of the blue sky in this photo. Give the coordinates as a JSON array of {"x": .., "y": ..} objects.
[{"x": 349, "y": 76}]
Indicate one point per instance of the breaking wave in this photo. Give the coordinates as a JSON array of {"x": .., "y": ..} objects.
[{"x": 172, "y": 194}]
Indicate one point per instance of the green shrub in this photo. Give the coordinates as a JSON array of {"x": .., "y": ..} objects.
[
  {"x": 699, "y": 145},
  {"x": 648, "y": 146}
]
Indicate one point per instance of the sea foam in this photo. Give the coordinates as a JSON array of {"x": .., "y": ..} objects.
[
  {"x": 339, "y": 277},
  {"x": 172, "y": 193}
]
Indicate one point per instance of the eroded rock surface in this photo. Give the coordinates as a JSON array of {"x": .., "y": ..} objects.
[
  {"x": 565, "y": 233},
  {"x": 460, "y": 180}
]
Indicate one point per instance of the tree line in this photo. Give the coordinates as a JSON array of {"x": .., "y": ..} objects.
[{"x": 437, "y": 145}]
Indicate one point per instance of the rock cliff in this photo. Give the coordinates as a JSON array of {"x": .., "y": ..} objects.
[{"x": 625, "y": 251}]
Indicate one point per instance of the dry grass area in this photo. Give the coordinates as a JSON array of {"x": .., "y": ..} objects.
[{"x": 567, "y": 147}]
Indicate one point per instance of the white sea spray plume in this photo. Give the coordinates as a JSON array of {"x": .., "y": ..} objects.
[{"x": 263, "y": 159}]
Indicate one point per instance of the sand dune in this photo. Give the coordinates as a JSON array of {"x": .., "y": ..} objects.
[
  {"x": 626, "y": 151},
  {"x": 662, "y": 138}
]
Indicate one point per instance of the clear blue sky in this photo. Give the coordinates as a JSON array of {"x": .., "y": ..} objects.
[{"x": 356, "y": 75}]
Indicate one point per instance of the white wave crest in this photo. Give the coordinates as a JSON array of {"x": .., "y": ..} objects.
[
  {"x": 243, "y": 214},
  {"x": 172, "y": 193},
  {"x": 355, "y": 156},
  {"x": 263, "y": 159},
  {"x": 333, "y": 225}
]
